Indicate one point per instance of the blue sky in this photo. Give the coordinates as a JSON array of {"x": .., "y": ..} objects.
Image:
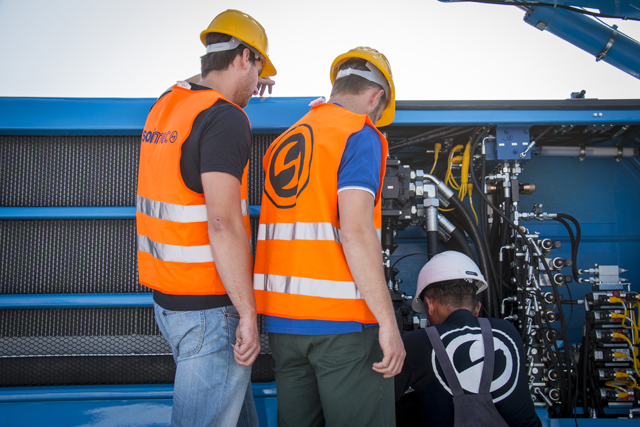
[{"x": 438, "y": 51}]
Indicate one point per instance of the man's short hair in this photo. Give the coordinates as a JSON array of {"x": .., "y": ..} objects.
[
  {"x": 459, "y": 293},
  {"x": 353, "y": 84},
  {"x": 218, "y": 61}
]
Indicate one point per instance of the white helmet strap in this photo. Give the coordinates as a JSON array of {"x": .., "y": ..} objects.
[
  {"x": 219, "y": 47},
  {"x": 230, "y": 45},
  {"x": 373, "y": 75}
]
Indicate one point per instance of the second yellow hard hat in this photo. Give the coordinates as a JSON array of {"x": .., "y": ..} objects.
[{"x": 380, "y": 61}]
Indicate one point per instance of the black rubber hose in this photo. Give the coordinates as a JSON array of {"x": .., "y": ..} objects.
[
  {"x": 494, "y": 233},
  {"x": 566, "y": 380},
  {"x": 433, "y": 243},
  {"x": 504, "y": 241},
  {"x": 483, "y": 254},
  {"x": 460, "y": 243},
  {"x": 572, "y": 239},
  {"x": 574, "y": 248},
  {"x": 484, "y": 221}
]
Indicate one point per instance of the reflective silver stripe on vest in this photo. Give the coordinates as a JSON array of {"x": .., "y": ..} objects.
[
  {"x": 170, "y": 211},
  {"x": 178, "y": 213},
  {"x": 304, "y": 286},
  {"x": 174, "y": 253},
  {"x": 245, "y": 207},
  {"x": 379, "y": 233},
  {"x": 299, "y": 231}
]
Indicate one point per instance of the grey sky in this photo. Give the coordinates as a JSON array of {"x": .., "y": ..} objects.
[{"x": 137, "y": 48}]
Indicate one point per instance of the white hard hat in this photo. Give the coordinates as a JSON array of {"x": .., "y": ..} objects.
[{"x": 449, "y": 265}]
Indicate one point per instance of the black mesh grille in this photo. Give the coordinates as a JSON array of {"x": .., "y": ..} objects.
[
  {"x": 68, "y": 256},
  {"x": 68, "y": 170},
  {"x": 92, "y": 346},
  {"x": 41, "y": 347},
  {"x": 256, "y": 171}
]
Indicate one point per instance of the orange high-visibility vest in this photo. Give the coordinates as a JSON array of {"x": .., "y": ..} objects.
[
  {"x": 174, "y": 252},
  {"x": 301, "y": 271}
]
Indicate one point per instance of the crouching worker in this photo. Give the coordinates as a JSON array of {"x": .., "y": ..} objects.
[{"x": 466, "y": 371}]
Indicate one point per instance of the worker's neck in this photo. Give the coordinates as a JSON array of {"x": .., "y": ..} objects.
[
  {"x": 221, "y": 81},
  {"x": 438, "y": 313},
  {"x": 354, "y": 103}
]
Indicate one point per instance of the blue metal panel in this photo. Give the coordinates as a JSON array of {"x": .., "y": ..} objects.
[
  {"x": 107, "y": 406},
  {"x": 82, "y": 213},
  {"x": 511, "y": 141},
  {"x": 69, "y": 116},
  {"x": 275, "y": 115},
  {"x": 75, "y": 300},
  {"x": 73, "y": 116},
  {"x": 102, "y": 116},
  {"x": 514, "y": 117},
  {"x": 68, "y": 213}
]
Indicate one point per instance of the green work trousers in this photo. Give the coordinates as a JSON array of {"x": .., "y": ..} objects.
[{"x": 328, "y": 379}]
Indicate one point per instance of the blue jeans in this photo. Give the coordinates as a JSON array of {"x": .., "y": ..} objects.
[{"x": 210, "y": 388}]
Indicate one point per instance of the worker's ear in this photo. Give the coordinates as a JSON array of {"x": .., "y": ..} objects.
[
  {"x": 428, "y": 305},
  {"x": 375, "y": 96},
  {"x": 243, "y": 60},
  {"x": 476, "y": 312}
]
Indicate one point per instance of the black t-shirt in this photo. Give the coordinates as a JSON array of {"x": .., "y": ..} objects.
[
  {"x": 461, "y": 334},
  {"x": 220, "y": 141}
]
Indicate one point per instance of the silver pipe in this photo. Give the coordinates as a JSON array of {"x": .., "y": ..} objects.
[
  {"x": 432, "y": 218},
  {"x": 444, "y": 190},
  {"x": 446, "y": 224},
  {"x": 589, "y": 151}
]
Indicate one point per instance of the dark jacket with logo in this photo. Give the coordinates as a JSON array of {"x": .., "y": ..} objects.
[{"x": 461, "y": 336}]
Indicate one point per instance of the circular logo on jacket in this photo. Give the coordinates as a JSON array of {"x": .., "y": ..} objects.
[
  {"x": 466, "y": 351},
  {"x": 289, "y": 166}
]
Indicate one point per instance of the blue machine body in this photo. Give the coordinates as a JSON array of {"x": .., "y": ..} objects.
[{"x": 601, "y": 193}]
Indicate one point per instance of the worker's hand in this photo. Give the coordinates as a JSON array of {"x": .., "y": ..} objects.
[
  {"x": 247, "y": 345},
  {"x": 264, "y": 83},
  {"x": 392, "y": 350}
]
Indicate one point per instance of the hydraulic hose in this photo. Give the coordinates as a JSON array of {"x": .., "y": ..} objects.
[
  {"x": 468, "y": 224},
  {"x": 433, "y": 239},
  {"x": 433, "y": 242},
  {"x": 459, "y": 242},
  {"x": 457, "y": 239},
  {"x": 574, "y": 245},
  {"x": 565, "y": 379}
]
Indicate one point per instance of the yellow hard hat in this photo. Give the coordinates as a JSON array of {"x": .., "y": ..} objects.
[
  {"x": 380, "y": 61},
  {"x": 242, "y": 26}
]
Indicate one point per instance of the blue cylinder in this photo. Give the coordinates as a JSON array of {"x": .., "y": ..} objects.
[{"x": 582, "y": 31}]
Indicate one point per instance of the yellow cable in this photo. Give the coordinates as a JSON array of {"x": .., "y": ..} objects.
[
  {"x": 624, "y": 337},
  {"x": 437, "y": 147},
  {"x": 624, "y": 317},
  {"x": 464, "y": 174},
  {"x": 627, "y": 379},
  {"x": 471, "y": 202},
  {"x": 449, "y": 180}
]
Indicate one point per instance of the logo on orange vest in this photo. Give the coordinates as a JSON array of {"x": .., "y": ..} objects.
[
  {"x": 289, "y": 167},
  {"x": 155, "y": 137},
  {"x": 466, "y": 350}
]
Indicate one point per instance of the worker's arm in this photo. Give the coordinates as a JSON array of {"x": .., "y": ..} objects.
[
  {"x": 232, "y": 255},
  {"x": 364, "y": 257}
]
